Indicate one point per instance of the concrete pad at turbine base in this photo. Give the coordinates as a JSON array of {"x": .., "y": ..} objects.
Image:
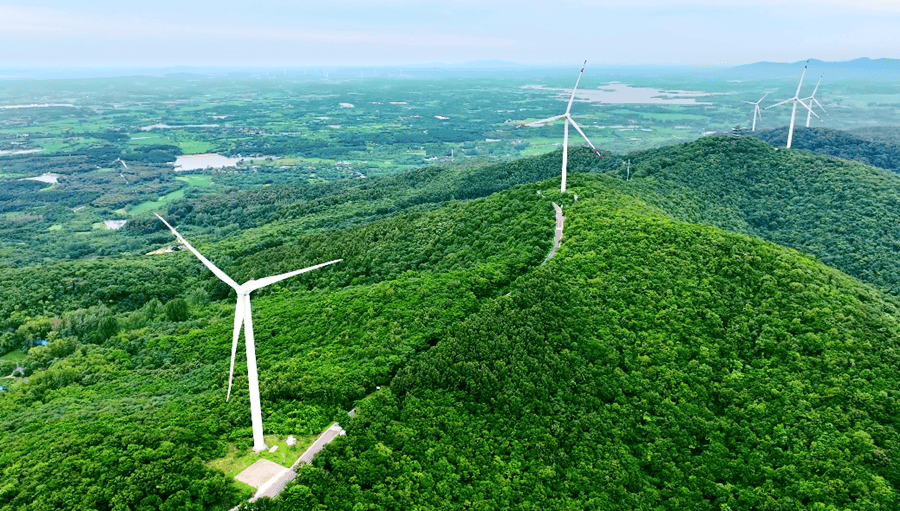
[{"x": 260, "y": 473}]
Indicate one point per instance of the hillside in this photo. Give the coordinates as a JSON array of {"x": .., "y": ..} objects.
[
  {"x": 119, "y": 398},
  {"x": 881, "y": 134},
  {"x": 679, "y": 365},
  {"x": 845, "y": 214},
  {"x": 857, "y": 145},
  {"x": 883, "y": 68},
  {"x": 652, "y": 364}
]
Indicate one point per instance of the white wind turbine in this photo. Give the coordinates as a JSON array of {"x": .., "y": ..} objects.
[
  {"x": 796, "y": 99},
  {"x": 810, "y": 100},
  {"x": 242, "y": 314},
  {"x": 756, "y": 111},
  {"x": 569, "y": 120}
]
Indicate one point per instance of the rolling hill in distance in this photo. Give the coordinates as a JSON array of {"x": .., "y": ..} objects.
[{"x": 718, "y": 331}]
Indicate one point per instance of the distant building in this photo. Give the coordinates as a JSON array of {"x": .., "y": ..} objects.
[{"x": 737, "y": 131}]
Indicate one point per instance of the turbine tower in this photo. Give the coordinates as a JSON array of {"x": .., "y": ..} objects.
[
  {"x": 796, "y": 99},
  {"x": 242, "y": 315},
  {"x": 569, "y": 120},
  {"x": 810, "y": 100},
  {"x": 756, "y": 111}
]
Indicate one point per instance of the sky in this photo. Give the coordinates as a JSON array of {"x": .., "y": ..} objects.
[{"x": 100, "y": 33}]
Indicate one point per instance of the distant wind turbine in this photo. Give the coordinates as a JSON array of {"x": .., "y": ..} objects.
[
  {"x": 243, "y": 315},
  {"x": 756, "y": 111},
  {"x": 796, "y": 99},
  {"x": 569, "y": 120},
  {"x": 811, "y": 99}
]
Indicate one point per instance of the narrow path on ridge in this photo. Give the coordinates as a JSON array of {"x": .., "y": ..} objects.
[{"x": 557, "y": 237}]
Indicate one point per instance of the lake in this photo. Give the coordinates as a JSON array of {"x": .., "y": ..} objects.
[
  {"x": 204, "y": 161},
  {"x": 617, "y": 93}
]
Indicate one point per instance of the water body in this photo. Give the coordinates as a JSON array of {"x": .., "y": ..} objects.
[
  {"x": 115, "y": 224},
  {"x": 42, "y": 105},
  {"x": 23, "y": 151},
  {"x": 45, "y": 178},
  {"x": 168, "y": 127},
  {"x": 616, "y": 93},
  {"x": 204, "y": 161}
]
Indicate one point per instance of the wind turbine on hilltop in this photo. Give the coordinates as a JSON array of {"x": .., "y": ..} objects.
[
  {"x": 569, "y": 120},
  {"x": 810, "y": 100},
  {"x": 756, "y": 111},
  {"x": 243, "y": 316},
  {"x": 796, "y": 99}
]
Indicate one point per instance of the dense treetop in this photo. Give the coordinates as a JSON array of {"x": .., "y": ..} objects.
[
  {"x": 874, "y": 147},
  {"x": 659, "y": 361},
  {"x": 651, "y": 365}
]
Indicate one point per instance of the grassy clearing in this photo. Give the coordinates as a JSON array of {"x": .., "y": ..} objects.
[
  {"x": 55, "y": 227},
  {"x": 147, "y": 138},
  {"x": 17, "y": 355},
  {"x": 196, "y": 180},
  {"x": 535, "y": 150},
  {"x": 235, "y": 461},
  {"x": 150, "y": 206},
  {"x": 195, "y": 147}
]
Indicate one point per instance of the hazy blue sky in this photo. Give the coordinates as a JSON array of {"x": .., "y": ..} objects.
[{"x": 373, "y": 32}]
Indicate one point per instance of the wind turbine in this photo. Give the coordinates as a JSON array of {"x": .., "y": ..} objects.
[
  {"x": 569, "y": 120},
  {"x": 796, "y": 99},
  {"x": 756, "y": 111},
  {"x": 810, "y": 99},
  {"x": 243, "y": 315}
]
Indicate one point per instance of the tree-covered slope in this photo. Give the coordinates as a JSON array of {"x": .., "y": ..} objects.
[
  {"x": 881, "y": 134},
  {"x": 854, "y": 145},
  {"x": 844, "y": 213},
  {"x": 651, "y": 364},
  {"x": 124, "y": 406}
]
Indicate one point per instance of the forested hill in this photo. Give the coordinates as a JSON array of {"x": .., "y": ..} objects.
[
  {"x": 844, "y": 213},
  {"x": 882, "y": 134},
  {"x": 651, "y": 364},
  {"x": 859, "y": 146}
]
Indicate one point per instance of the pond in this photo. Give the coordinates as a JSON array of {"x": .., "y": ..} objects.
[{"x": 204, "y": 161}]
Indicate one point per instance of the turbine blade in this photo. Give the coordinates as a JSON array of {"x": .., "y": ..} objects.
[
  {"x": 219, "y": 273},
  {"x": 572, "y": 98},
  {"x": 762, "y": 98},
  {"x": 577, "y": 127},
  {"x": 810, "y": 109},
  {"x": 817, "y": 86},
  {"x": 543, "y": 121},
  {"x": 820, "y": 105},
  {"x": 778, "y": 104},
  {"x": 797, "y": 95},
  {"x": 238, "y": 322},
  {"x": 256, "y": 284}
]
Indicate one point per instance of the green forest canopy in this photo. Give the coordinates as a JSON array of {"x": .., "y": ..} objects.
[{"x": 681, "y": 365}]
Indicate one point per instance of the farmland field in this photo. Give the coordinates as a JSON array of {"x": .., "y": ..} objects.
[{"x": 112, "y": 141}]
